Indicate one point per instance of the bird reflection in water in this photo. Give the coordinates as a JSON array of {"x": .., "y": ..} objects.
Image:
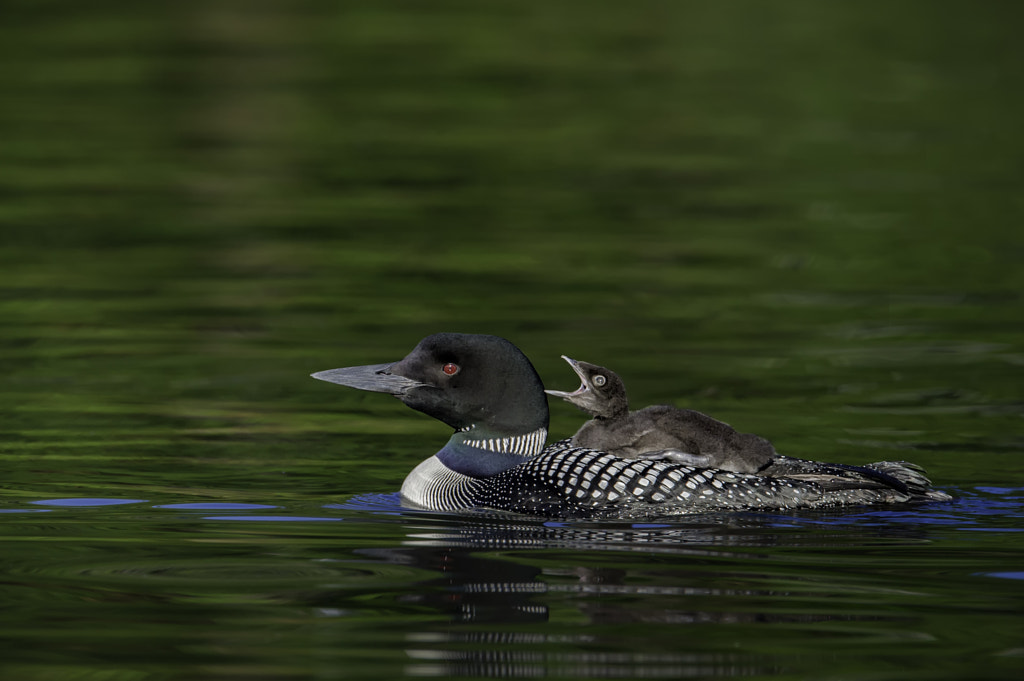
[{"x": 543, "y": 611}]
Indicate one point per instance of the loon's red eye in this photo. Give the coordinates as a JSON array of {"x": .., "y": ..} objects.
[{"x": 450, "y": 369}]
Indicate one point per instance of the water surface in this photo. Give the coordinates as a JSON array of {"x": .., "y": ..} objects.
[{"x": 801, "y": 218}]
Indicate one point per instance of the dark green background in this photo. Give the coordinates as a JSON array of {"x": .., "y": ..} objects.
[{"x": 802, "y": 217}]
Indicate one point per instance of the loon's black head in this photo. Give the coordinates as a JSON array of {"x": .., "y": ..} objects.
[
  {"x": 601, "y": 393},
  {"x": 464, "y": 380}
]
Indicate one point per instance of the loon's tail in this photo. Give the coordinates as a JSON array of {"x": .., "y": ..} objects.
[
  {"x": 912, "y": 476},
  {"x": 907, "y": 479}
]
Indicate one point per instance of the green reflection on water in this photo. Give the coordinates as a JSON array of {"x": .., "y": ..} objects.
[{"x": 801, "y": 217}]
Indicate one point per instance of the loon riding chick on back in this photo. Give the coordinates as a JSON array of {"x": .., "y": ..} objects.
[
  {"x": 688, "y": 437},
  {"x": 486, "y": 389},
  {"x": 679, "y": 435}
]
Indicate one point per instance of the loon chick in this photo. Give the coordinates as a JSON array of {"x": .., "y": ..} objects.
[
  {"x": 486, "y": 389},
  {"x": 660, "y": 432}
]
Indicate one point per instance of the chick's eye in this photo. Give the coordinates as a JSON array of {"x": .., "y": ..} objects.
[
  {"x": 450, "y": 369},
  {"x": 600, "y": 380}
]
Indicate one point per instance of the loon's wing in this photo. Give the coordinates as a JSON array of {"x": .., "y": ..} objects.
[
  {"x": 568, "y": 481},
  {"x": 830, "y": 475},
  {"x": 900, "y": 476}
]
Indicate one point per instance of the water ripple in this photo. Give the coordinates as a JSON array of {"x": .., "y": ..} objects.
[
  {"x": 388, "y": 504},
  {"x": 87, "y": 501},
  {"x": 273, "y": 518},
  {"x": 216, "y": 506}
]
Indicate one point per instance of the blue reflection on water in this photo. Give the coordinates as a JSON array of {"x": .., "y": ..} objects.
[
  {"x": 1000, "y": 490},
  {"x": 978, "y": 509},
  {"x": 1002, "y": 575}
]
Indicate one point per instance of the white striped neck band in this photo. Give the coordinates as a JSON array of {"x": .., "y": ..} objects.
[{"x": 529, "y": 444}]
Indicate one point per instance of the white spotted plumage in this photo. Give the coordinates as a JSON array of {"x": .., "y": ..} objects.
[{"x": 568, "y": 481}]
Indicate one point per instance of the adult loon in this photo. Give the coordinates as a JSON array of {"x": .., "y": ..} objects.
[
  {"x": 660, "y": 432},
  {"x": 486, "y": 389}
]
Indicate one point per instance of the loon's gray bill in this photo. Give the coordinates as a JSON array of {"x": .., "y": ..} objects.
[{"x": 372, "y": 377}]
